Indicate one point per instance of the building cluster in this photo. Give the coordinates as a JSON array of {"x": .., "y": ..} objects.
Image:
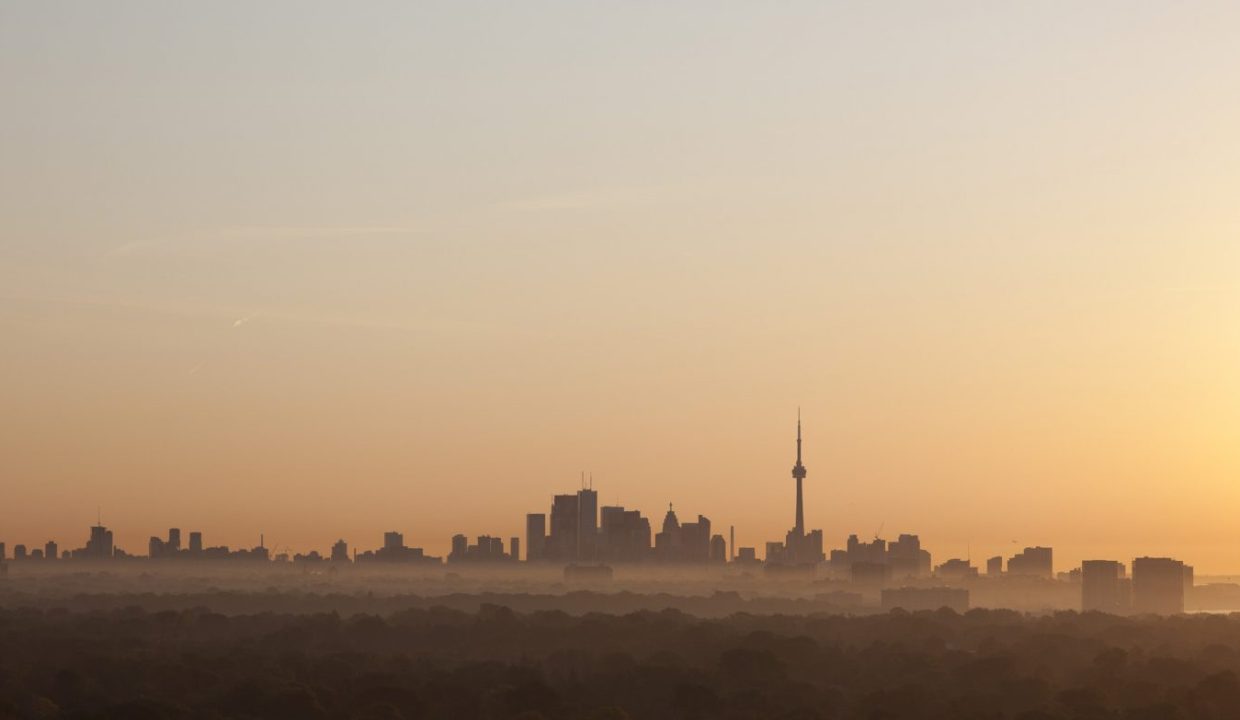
[
  {"x": 1157, "y": 585},
  {"x": 581, "y": 532},
  {"x": 171, "y": 549}
]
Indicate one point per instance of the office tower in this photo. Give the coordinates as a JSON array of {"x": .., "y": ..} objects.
[
  {"x": 1157, "y": 586},
  {"x": 535, "y": 537},
  {"x": 51, "y": 550},
  {"x": 99, "y": 545},
  {"x": 393, "y": 541},
  {"x": 747, "y": 555},
  {"x": 174, "y": 540},
  {"x": 154, "y": 547},
  {"x": 340, "y": 551},
  {"x": 731, "y": 543},
  {"x": 907, "y": 558},
  {"x": 514, "y": 548},
  {"x": 587, "y": 523},
  {"x": 460, "y": 547},
  {"x": 1032, "y": 561},
  {"x": 1101, "y": 589},
  {"x": 718, "y": 549},
  {"x": 195, "y": 542},
  {"x": 624, "y": 535},
  {"x": 19, "y": 552},
  {"x": 994, "y": 566},
  {"x": 3, "y": 550},
  {"x": 565, "y": 514}
]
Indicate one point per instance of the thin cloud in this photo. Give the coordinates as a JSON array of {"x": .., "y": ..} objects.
[{"x": 591, "y": 199}]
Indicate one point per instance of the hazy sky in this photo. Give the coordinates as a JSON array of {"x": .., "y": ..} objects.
[{"x": 320, "y": 271}]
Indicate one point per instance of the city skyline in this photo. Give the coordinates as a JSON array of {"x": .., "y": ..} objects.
[
  {"x": 278, "y": 269},
  {"x": 576, "y": 530}
]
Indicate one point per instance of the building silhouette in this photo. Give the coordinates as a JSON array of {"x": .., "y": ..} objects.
[
  {"x": 99, "y": 546},
  {"x": 587, "y": 524},
  {"x": 394, "y": 551},
  {"x": 1158, "y": 585},
  {"x": 683, "y": 542},
  {"x": 565, "y": 515},
  {"x": 1104, "y": 587},
  {"x": 195, "y": 543},
  {"x": 955, "y": 569},
  {"x": 994, "y": 566},
  {"x": 1034, "y": 561},
  {"x": 535, "y": 537},
  {"x": 340, "y": 551},
  {"x": 904, "y": 558},
  {"x": 624, "y": 535}
]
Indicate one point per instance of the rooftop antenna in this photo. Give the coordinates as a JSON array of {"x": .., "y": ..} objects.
[
  {"x": 880, "y": 529},
  {"x": 591, "y": 480}
]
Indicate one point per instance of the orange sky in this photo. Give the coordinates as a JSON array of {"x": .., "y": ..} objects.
[{"x": 319, "y": 276}]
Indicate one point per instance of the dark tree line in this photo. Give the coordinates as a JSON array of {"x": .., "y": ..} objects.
[{"x": 442, "y": 663}]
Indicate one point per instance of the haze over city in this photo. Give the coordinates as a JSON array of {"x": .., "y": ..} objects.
[{"x": 275, "y": 269}]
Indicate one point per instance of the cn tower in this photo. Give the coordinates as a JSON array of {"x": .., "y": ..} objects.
[{"x": 798, "y": 472}]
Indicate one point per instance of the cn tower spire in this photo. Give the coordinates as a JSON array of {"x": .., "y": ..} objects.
[{"x": 798, "y": 472}]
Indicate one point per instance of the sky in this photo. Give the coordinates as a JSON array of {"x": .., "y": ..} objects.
[{"x": 315, "y": 272}]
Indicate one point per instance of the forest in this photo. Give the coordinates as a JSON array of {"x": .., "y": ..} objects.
[{"x": 496, "y": 663}]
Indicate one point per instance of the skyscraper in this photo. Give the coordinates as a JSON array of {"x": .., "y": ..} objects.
[
  {"x": 565, "y": 514},
  {"x": 1157, "y": 586},
  {"x": 1101, "y": 586},
  {"x": 587, "y": 524},
  {"x": 535, "y": 536},
  {"x": 174, "y": 540},
  {"x": 100, "y": 543}
]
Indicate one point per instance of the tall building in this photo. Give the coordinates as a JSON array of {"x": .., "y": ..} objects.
[
  {"x": 624, "y": 535},
  {"x": 154, "y": 547},
  {"x": 19, "y": 552},
  {"x": 393, "y": 541},
  {"x": 340, "y": 551},
  {"x": 99, "y": 545},
  {"x": 907, "y": 558},
  {"x": 460, "y": 547},
  {"x": 587, "y": 523},
  {"x": 514, "y": 548},
  {"x": 535, "y": 537},
  {"x": 174, "y": 540},
  {"x": 195, "y": 542},
  {"x": 51, "y": 550},
  {"x": 1158, "y": 586},
  {"x": 565, "y": 515},
  {"x": 994, "y": 566},
  {"x": 1034, "y": 561},
  {"x": 3, "y": 550},
  {"x": 1102, "y": 586}
]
